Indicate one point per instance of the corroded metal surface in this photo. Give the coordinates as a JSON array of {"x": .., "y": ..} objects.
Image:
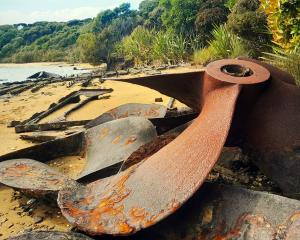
[
  {"x": 130, "y": 110},
  {"x": 218, "y": 212},
  {"x": 33, "y": 177},
  {"x": 247, "y": 111},
  {"x": 148, "y": 192},
  {"x": 105, "y": 147},
  {"x": 51, "y": 236},
  {"x": 111, "y": 143}
]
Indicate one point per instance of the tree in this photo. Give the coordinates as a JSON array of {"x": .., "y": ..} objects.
[
  {"x": 179, "y": 16},
  {"x": 211, "y": 13},
  {"x": 249, "y": 22}
]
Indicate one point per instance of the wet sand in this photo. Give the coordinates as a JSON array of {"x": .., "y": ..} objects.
[{"x": 14, "y": 219}]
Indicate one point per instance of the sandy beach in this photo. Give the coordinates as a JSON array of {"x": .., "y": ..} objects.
[{"x": 13, "y": 218}]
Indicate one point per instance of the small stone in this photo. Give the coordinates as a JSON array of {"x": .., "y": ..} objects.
[
  {"x": 11, "y": 225},
  {"x": 31, "y": 201},
  {"x": 37, "y": 219}
]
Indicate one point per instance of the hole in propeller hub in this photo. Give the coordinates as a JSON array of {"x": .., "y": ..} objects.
[{"x": 236, "y": 70}]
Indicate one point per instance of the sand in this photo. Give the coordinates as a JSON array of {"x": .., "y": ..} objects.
[{"x": 14, "y": 219}]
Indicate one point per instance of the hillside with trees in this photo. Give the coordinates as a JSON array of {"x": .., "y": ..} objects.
[{"x": 164, "y": 32}]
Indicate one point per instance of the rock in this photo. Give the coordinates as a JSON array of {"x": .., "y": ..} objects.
[
  {"x": 229, "y": 156},
  {"x": 134, "y": 71},
  {"x": 152, "y": 72},
  {"x": 283, "y": 168},
  {"x": 173, "y": 66},
  {"x": 31, "y": 201},
  {"x": 37, "y": 219},
  {"x": 122, "y": 72},
  {"x": 159, "y": 100},
  {"x": 110, "y": 74},
  {"x": 161, "y": 68}
]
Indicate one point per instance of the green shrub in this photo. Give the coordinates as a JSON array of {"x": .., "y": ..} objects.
[
  {"x": 138, "y": 46},
  {"x": 250, "y": 23},
  {"x": 288, "y": 61},
  {"x": 169, "y": 48},
  {"x": 211, "y": 13},
  {"x": 146, "y": 47},
  {"x": 225, "y": 44}
]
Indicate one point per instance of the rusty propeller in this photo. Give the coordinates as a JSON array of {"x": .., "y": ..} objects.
[{"x": 228, "y": 94}]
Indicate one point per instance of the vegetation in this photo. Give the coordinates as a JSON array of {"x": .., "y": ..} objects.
[
  {"x": 288, "y": 61},
  {"x": 162, "y": 32},
  {"x": 248, "y": 22},
  {"x": 284, "y": 22},
  {"x": 146, "y": 47},
  {"x": 225, "y": 44},
  {"x": 41, "y": 41}
]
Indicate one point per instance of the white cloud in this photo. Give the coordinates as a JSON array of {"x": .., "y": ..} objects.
[{"x": 11, "y": 17}]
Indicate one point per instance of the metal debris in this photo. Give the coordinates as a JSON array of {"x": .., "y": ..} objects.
[
  {"x": 149, "y": 111},
  {"x": 105, "y": 148},
  {"x": 51, "y": 236},
  {"x": 74, "y": 97},
  {"x": 148, "y": 192},
  {"x": 251, "y": 105},
  {"x": 227, "y": 213}
]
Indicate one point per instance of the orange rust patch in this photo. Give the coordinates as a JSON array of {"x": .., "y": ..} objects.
[
  {"x": 130, "y": 140},
  {"x": 22, "y": 167},
  {"x": 117, "y": 140},
  {"x": 103, "y": 133},
  {"x": 91, "y": 220},
  {"x": 295, "y": 217}
]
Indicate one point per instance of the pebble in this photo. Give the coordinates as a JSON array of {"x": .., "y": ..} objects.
[
  {"x": 11, "y": 225},
  {"x": 37, "y": 219},
  {"x": 31, "y": 201}
]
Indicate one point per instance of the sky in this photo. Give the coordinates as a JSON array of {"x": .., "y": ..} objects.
[{"x": 30, "y": 11}]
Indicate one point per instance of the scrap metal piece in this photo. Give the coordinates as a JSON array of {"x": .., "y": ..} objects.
[
  {"x": 43, "y": 235},
  {"x": 266, "y": 119},
  {"x": 149, "y": 111},
  {"x": 227, "y": 213},
  {"x": 148, "y": 192},
  {"x": 105, "y": 147},
  {"x": 73, "y": 97},
  {"x": 111, "y": 143},
  {"x": 33, "y": 177}
]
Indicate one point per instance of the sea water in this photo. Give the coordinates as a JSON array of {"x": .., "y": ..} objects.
[{"x": 20, "y": 72}]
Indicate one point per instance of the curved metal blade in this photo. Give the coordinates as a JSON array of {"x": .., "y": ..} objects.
[
  {"x": 148, "y": 111},
  {"x": 111, "y": 143},
  {"x": 185, "y": 87},
  {"x": 106, "y": 147},
  {"x": 33, "y": 177},
  {"x": 147, "y": 193}
]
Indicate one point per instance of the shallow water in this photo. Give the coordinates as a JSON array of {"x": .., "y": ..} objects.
[{"x": 19, "y": 72}]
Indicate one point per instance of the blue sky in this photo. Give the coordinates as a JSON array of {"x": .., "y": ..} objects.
[{"x": 29, "y": 11}]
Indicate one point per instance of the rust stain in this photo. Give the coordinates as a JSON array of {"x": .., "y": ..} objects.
[
  {"x": 130, "y": 140},
  {"x": 117, "y": 140},
  {"x": 91, "y": 219},
  {"x": 103, "y": 133}
]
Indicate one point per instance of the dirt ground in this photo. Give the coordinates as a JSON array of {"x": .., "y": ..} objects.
[{"x": 19, "y": 213}]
